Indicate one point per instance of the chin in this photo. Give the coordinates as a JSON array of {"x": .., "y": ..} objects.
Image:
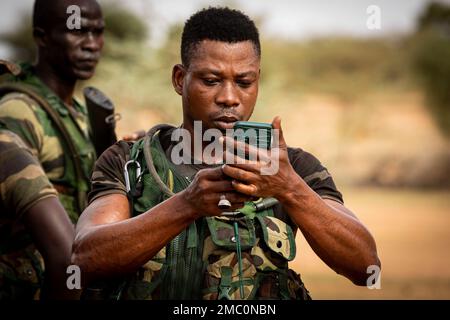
[{"x": 84, "y": 75}]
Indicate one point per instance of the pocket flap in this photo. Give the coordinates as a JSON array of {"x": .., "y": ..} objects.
[
  {"x": 278, "y": 236},
  {"x": 222, "y": 232}
]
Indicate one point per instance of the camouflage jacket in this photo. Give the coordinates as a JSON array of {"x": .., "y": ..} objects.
[{"x": 23, "y": 115}]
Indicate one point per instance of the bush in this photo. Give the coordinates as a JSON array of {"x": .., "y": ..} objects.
[{"x": 431, "y": 59}]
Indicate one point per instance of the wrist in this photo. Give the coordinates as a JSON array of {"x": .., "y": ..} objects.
[
  {"x": 296, "y": 194},
  {"x": 190, "y": 211}
]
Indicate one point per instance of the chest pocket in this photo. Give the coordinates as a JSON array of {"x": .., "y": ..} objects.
[{"x": 267, "y": 244}]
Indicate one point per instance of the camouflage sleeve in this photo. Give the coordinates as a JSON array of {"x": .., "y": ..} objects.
[
  {"x": 107, "y": 177},
  {"x": 22, "y": 180},
  {"x": 17, "y": 115},
  {"x": 314, "y": 174}
]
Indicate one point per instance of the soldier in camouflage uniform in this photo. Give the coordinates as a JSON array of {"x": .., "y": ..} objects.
[
  {"x": 153, "y": 228},
  {"x": 51, "y": 132}
]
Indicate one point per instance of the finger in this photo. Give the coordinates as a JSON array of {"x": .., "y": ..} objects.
[
  {"x": 248, "y": 189},
  {"x": 241, "y": 174},
  {"x": 211, "y": 174},
  {"x": 235, "y": 197},
  {"x": 247, "y": 165},
  {"x": 242, "y": 149},
  {"x": 219, "y": 186},
  {"x": 129, "y": 137},
  {"x": 278, "y": 137}
]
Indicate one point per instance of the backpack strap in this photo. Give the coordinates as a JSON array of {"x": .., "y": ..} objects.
[{"x": 53, "y": 115}]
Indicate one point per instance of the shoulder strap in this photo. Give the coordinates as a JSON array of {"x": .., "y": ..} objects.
[{"x": 10, "y": 87}]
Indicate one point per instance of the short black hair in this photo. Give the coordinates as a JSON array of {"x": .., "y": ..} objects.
[{"x": 219, "y": 24}]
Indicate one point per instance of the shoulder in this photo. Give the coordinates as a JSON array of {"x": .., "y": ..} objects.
[
  {"x": 108, "y": 174},
  {"x": 112, "y": 161},
  {"x": 18, "y": 105},
  {"x": 303, "y": 161},
  {"x": 314, "y": 173},
  {"x": 22, "y": 180},
  {"x": 120, "y": 151},
  {"x": 10, "y": 141}
]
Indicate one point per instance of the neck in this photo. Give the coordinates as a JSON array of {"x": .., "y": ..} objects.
[{"x": 62, "y": 87}]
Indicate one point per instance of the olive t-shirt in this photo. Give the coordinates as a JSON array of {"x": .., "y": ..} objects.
[{"x": 108, "y": 176}]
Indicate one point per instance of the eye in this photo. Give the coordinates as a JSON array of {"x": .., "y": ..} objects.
[
  {"x": 98, "y": 31},
  {"x": 244, "y": 83},
  {"x": 210, "y": 81},
  {"x": 76, "y": 31}
]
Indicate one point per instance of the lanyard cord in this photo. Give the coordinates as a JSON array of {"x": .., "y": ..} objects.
[{"x": 239, "y": 256}]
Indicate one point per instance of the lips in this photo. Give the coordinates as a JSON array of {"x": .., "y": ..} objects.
[{"x": 225, "y": 122}]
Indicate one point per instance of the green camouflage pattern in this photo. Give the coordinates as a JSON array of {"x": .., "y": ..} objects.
[
  {"x": 207, "y": 247},
  {"x": 49, "y": 172},
  {"x": 278, "y": 236},
  {"x": 22, "y": 115},
  {"x": 23, "y": 183}
]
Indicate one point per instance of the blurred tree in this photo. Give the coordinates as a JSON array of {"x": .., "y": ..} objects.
[
  {"x": 20, "y": 39},
  {"x": 431, "y": 58},
  {"x": 120, "y": 25}
]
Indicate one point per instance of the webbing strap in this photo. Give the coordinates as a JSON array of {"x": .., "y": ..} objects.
[
  {"x": 225, "y": 283},
  {"x": 53, "y": 115}
]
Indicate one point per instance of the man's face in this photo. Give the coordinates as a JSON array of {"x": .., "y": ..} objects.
[
  {"x": 220, "y": 86},
  {"x": 75, "y": 53}
]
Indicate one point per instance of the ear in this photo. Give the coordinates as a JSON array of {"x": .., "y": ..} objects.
[
  {"x": 40, "y": 37},
  {"x": 178, "y": 74}
]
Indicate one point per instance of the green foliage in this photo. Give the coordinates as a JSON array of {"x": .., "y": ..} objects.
[
  {"x": 344, "y": 67},
  {"x": 431, "y": 61},
  {"x": 121, "y": 24}
]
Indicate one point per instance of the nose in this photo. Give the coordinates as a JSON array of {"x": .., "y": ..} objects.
[
  {"x": 92, "y": 42},
  {"x": 228, "y": 95}
]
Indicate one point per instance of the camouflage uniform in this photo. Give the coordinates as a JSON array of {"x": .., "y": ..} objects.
[
  {"x": 23, "y": 115},
  {"x": 201, "y": 262},
  {"x": 22, "y": 184}
]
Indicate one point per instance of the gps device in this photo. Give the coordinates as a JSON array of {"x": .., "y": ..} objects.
[{"x": 257, "y": 134}]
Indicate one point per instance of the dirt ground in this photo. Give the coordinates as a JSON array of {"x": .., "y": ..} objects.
[{"x": 411, "y": 229}]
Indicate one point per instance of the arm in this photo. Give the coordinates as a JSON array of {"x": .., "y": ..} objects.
[
  {"x": 110, "y": 242},
  {"x": 53, "y": 233},
  {"x": 333, "y": 231},
  {"x": 27, "y": 192}
]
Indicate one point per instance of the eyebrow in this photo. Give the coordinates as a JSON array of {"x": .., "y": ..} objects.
[{"x": 218, "y": 73}]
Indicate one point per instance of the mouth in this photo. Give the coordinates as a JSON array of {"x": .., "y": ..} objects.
[
  {"x": 87, "y": 64},
  {"x": 225, "y": 122}
]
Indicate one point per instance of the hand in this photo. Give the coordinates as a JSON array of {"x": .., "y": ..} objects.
[
  {"x": 134, "y": 136},
  {"x": 269, "y": 175},
  {"x": 203, "y": 194}
]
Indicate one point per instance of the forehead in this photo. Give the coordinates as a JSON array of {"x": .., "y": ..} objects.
[
  {"x": 90, "y": 11},
  {"x": 218, "y": 54}
]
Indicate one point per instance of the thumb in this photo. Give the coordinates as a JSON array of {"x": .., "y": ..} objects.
[{"x": 278, "y": 136}]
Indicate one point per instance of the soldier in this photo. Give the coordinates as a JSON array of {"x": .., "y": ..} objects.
[
  {"x": 154, "y": 225},
  {"x": 52, "y": 137}
]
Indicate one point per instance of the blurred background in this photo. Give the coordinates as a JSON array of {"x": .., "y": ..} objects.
[{"x": 373, "y": 104}]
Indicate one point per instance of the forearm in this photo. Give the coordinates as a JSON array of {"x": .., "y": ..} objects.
[
  {"x": 122, "y": 247},
  {"x": 337, "y": 237}
]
